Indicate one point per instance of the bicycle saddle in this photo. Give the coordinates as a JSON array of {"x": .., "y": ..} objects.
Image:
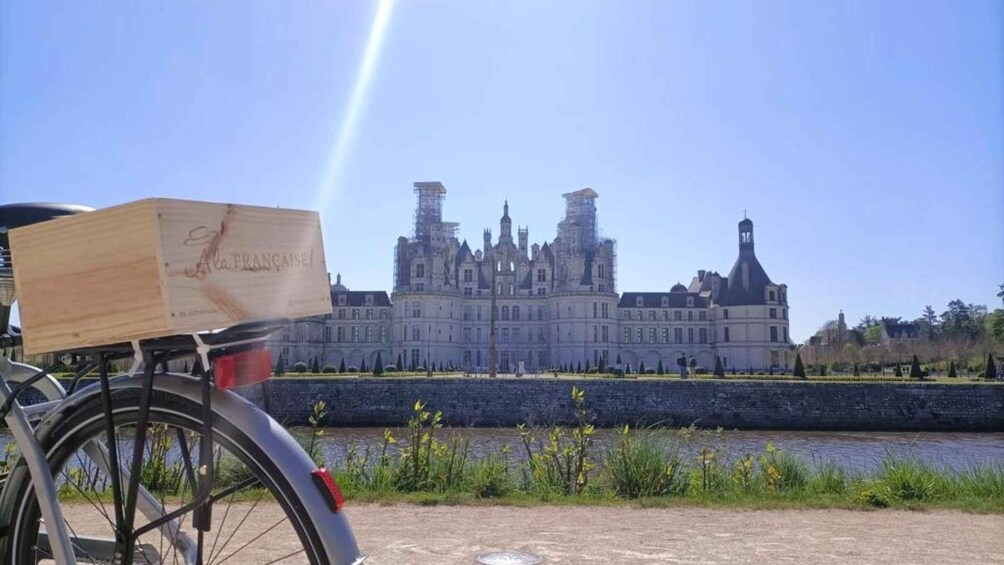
[
  {"x": 18, "y": 215},
  {"x": 15, "y": 216}
]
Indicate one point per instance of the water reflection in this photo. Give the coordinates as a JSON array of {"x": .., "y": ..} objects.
[{"x": 852, "y": 450}]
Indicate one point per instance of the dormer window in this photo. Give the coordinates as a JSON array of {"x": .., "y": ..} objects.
[
  {"x": 665, "y": 301},
  {"x": 341, "y": 300},
  {"x": 690, "y": 302},
  {"x": 770, "y": 296},
  {"x": 420, "y": 270},
  {"x": 638, "y": 302},
  {"x": 369, "y": 300}
]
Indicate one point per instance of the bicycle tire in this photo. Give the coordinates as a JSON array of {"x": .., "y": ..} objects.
[{"x": 85, "y": 422}]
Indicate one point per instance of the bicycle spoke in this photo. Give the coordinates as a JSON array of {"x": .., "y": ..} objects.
[
  {"x": 284, "y": 557},
  {"x": 254, "y": 539},
  {"x": 239, "y": 524}
]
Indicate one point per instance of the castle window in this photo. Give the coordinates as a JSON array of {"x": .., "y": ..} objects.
[
  {"x": 651, "y": 315},
  {"x": 665, "y": 301},
  {"x": 383, "y": 334},
  {"x": 515, "y": 313},
  {"x": 595, "y": 310},
  {"x": 690, "y": 335},
  {"x": 420, "y": 287},
  {"x": 606, "y": 310},
  {"x": 641, "y": 335},
  {"x": 637, "y": 315},
  {"x": 341, "y": 300},
  {"x": 725, "y": 315},
  {"x": 690, "y": 315},
  {"x": 599, "y": 271},
  {"x": 773, "y": 333},
  {"x": 505, "y": 335},
  {"x": 784, "y": 313},
  {"x": 540, "y": 312},
  {"x": 541, "y": 275},
  {"x": 702, "y": 315},
  {"x": 677, "y": 315},
  {"x": 665, "y": 315},
  {"x": 772, "y": 313},
  {"x": 596, "y": 333},
  {"x": 327, "y": 334},
  {"x": 416, "y": 309},
  {"x": 369, "y": 333},
  {"x": 785, "y": 330},
  {"x": 369, "y": 300},
  {"x": 420, "y": 270},
  {"x": 541, "y": 291},
  {"x": 468, "y": 276},
  {"x": 651, "y": 335},
  {"x": 467, "y": 291},
  {"x": 600, "y": 288},
  {"x": 355, "y": 313},
  {"x": 416, "y": 333},
  {"x": 341, "y": 313},
  {"x": 678, "y": 335},
  {"x": 665, "y": 335},
  {"x": 639, "y": 302},
  {"x": 541, "y": 338},
  {"x": 703, "y": 335},
  {"x": 606, "y": 334},
  {"x": 505, "y": 312},
  {"x": 383, "y": 313},
  {"x": 690, "y": 302},
  {"x": 355, "y": 333},
  {"x": 725, "y": 336},
  {"x": 340, "y": 334},
  {"x": 627, "y": 334},
  {"x": 369, "y": 313},
  {"x": 771, "y": 296}
]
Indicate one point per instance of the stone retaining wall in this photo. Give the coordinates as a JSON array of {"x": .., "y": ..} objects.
[{"x": 739, "y": 404}]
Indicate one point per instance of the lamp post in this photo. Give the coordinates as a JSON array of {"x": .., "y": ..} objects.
[{"x": 428, "y": 353}]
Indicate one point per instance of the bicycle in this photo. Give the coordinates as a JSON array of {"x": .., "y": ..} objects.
[{"x": 199, "y": 450}]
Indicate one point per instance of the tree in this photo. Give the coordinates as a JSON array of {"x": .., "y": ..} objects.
[
  {"x": 991, "y": 372},
  {"x": 587, "y": 365},
  {"x": 641, "y": 368},
  {"x": 873, "y": 334},
  {"x": 279, "y": 368},
  {"x": 898, "y": 371},
  {"x": 660, "y": 370},
  {"x": 856, "y": 372},
  {"x": 315, "y": 367},
  {"x": 994, "y": 325},
  {"x": 719, "y": 369},
  {"x": 822, "y": 369},
  {"x": 866, "y": 322},
  {"x": 1001, "y": 293},
  {"x": 951, "y": 370},
  {"x": 915, "y": 372},
  {"x": 378, "y": 366},
  {"x": 341, "y": 366},
  {"x": 400, "y": 363},
  {"x": 578, "y": 369},
  {"x": 618, "y": 358},
  {"x": 799, "y": 368},
  {"x": 362, "y": 368}
]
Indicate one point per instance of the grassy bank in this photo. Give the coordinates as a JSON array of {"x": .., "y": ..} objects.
[{"x": 561, "y": 466}]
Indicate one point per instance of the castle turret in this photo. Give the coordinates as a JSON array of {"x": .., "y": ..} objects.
[
  {"x": 505, "y": 235},
  {"x": 524, "y": 237}
]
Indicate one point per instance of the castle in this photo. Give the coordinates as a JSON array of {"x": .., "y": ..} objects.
[{"x": 544, "y": 306}]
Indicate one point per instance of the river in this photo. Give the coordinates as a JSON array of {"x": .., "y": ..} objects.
[{"x": 861, "y": 451}]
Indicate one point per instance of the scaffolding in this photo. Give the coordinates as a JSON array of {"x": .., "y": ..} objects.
[
  {"x": 579, "y": 224},
  {"x": 429, "y": 211}
]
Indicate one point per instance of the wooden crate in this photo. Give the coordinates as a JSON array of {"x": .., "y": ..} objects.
[{"x": 160, "y": 267}]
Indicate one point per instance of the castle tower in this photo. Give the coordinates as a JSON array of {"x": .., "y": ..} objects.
[
  {"x": 505, "y": 234},
  {"x": 429, "y": 211},
  {"x": 746, "y": 236},
  {"x": 524, "y": 237}
]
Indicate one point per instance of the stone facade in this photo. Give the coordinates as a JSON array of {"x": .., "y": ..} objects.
[
  {"x": 707, "y": 404},
  {"x": 549, "y": 304}
]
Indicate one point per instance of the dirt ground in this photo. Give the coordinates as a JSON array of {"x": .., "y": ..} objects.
[
  {"x": 581, "y": 535},
  {"x": 441, "y": 535}
]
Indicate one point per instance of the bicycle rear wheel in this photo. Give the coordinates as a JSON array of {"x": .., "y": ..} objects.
[{"x": 256, "y": 516}]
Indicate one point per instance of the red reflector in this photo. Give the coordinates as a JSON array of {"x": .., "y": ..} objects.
[
  {"x": 329, "y": 489},
  {"x": 242, "y": 369}
]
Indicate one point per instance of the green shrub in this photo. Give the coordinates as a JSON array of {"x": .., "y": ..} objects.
[
  {"x": 907, "y": 479},
  {"x": 638, "y": 467},
  {"x": 830, "y": 479},
  {"x": 329, "y": 369},
  {"x": 700, "y": 371},
  {"x": 299, "y": 367},
  {"x": 490, "y": 478},
  {"x": 782, "y": 470}
]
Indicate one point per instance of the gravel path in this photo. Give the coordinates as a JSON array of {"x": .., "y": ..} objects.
[
  {"x": 583, "y": 535},
  {"x": 440, "y": 535}
]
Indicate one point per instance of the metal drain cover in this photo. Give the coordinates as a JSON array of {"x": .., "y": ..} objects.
[{"x": 509, "y": 558}]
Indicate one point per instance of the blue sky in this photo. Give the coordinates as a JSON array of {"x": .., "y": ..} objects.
[{"x": 866, "y": 139}]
